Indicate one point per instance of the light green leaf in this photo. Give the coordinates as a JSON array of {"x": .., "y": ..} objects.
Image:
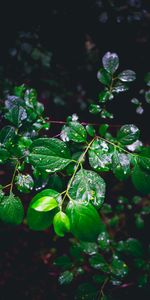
[
  {"x": 61, "y": 223},
  {"x": 50, "y": 155},
  {"x": 88, "y": 186},
  {"x": 45, "y": 200}
]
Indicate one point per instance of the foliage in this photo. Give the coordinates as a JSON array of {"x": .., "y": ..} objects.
[{"x": 71, "y": 173}]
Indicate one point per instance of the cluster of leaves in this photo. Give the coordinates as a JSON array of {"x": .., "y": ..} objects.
[
  {"x": 108, "y": 261},
  {"x": 69, "y": 173},
  {"x": 114, "y": 83}
]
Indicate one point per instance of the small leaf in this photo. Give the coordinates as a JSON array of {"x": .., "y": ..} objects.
[
  {"x": 84, "y": 220},
  {"x": 127, "y": 76},
  {"x": 98, "y": 262},
  {"x": 24, "y": 183},
  {"x": 144, "y": 158},
  {"x": 100, "y": 156},
  {"x": 103, "y": 129},
  {"x": 94, "y": 109},
  {"x": 45, "y": 200},
  {"x": 104, "y": 96},
  {"x": 104, "y": 240},
  {"x": 65, "y": 277},
  {"x": 90, "y": 130},
  {"x": 86, "y": 291},
  {"x": 110, "y": 62},
  {"x": 104, "y": 77},
  {"x": 11, "y": 210},
  {"x": 120, "y": 87},
  {"x": 128, "y": 134},
  {"x": 61, "y": 223},
  {"x": 88, "y": 186},
  {"x": 118, "y": 267},
  {"x": 89, "y": 248},
  {"x": 74, "y": 131},
  {"x": 49, "y": 155}
]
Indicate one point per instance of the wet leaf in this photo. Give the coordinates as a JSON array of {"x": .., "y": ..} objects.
[
  {"x": 127, "y": 76},
  {"x": 11, "y": 210},
  {"x": 128, "y": 134},
  {"x": 110, "y": 62},
  {"x": 65, "y": 277},
  {"x": 100, "y": 156},
  {"x": 74, "y": 131},
  {"x": 61, "y": 224}
]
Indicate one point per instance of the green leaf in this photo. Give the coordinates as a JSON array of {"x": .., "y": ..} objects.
[
  {"x": 45, "y": 200},
  {"x": 63, "y": 262},
  {"x": 24, "y": 183},
  {"x": 94, "y": 109},
  {"x": 7, "y": 134},
  {"x": 100, "y": 156},
  {"x": 98, "y": 262},
  {"x": 104, "y": 96},
  {"x": 103, "y": 129},
  {"x": 144, "y": 158},
  {"x": 147, "y": 96},
  {"x": 104, "y": 240},
  {"x": 65, "y": 277},
  {"x": 128, "y": 134},
  {"x": 16, "y": 115},
  {"x": 118, "y": 267},
  {"x": 4, "y": 155},
  {"x": 11, "y": 210},
  {"x": 84, "y": 220},
  {"x": 110, "y": 62},
  {"x": 104, "y": 77},
  {"x": 141, "y": 180},
  {"x": 50, "y": 155},
  {"x": 61, "y": 223},
  {"x": 74, "y": 131},
  {"x": 88, "y": 186},
  {"x": 139, "y": 222},
  {"x": 39, "y": 220},
  {"x": 121, "y": 165},
  {"x": 90, "y": 130},
  {"x": 89, "y": 248},
  {"x": 120, "y": 87},
  {"x": 127, "y": 76},
  {"x": 131, "y": 247}
]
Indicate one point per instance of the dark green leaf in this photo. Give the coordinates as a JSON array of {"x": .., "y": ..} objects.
[
  {"x": 104, "y": 241},
  {"x": 7, "y": 134},
  {"x": 90, "y": 130},
  {"x": 98, "y": 262},
  {"x": 65, "y": 277},
  {"x": 16, "y": 115},
  {"x": 144, "y": 158},
  {"x": 147, "y": 96},
  {"x": 88, "y": 186},
  {"x": 86, "y": 291},
  {"x": 128, "y": 134},
  {"x": 118, "y": 267},
  {"x": 89, "y": 248},
  {"x": 103, "y": 129},
  {"x": 11, "y": 210},
  {"x": 104, "y": 96},
  {"x": 141, "y": 180},
  {"x": 49, "y": 155},
  {"x": 63, "y": 262},
  {"x": 104, "y": 77},
  {"x": 4, "y": 155},
  {"x": 74, "y": 131},
  {"x": 94, "y": 109}
]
